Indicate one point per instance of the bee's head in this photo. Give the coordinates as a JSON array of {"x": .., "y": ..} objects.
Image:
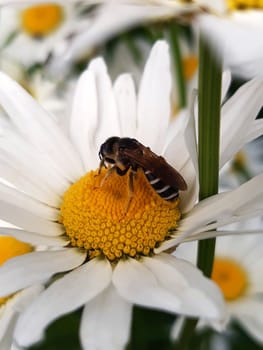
[{"x": 108, "y": 149}]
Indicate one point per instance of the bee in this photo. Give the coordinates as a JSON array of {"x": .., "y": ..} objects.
[{"x": 124, "y": 154}]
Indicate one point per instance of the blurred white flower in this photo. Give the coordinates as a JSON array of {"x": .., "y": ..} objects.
[
  {"x": 28, "y": 34},
  {"x": 12, "y": 305},
  {"x": 237, "y": 271},
  {"x": 236, "y": 34},
  {"x": 54, "y": 96},
  {"x": 113, "y": 17},
  {"x": 113, "y": 259}
]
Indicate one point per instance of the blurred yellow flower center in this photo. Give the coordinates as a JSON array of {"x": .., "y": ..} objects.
[
  {"x": 230, "y": 277},
  {"x": 9, "y": 248},
  {"x": 190, "y": 66},
  {"x": 41, "y": 20},
  {"x": 95, "y": 216},
  {"x": 239, "y": 163},
  {"x": 244, "y": 4}
]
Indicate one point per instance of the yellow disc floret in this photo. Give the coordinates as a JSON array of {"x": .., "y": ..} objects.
[
  {"x": 244, "y": 4},
  {"x": 9, "y": 248},
  {"x": 98, "y": 215},
  {"x": 41, "y": 20},
  {"x": 230, "y": 277}
]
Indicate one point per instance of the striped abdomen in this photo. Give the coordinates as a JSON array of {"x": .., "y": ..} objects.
[{"x": 167, "y": 192}]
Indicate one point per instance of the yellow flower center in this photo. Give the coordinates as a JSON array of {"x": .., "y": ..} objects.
[
  {"x": 244, "y": 4},
  {"x": 9, "y": 248},
  {"x": 41, "y": 20},
  {"x": 95, "y": 215},
  {"x": 230, "y": 277},
  {"x": 190, "y": 66}
]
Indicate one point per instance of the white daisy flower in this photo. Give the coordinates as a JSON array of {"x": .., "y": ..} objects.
[
  {"x": 112, "y": 258},
  {"x": 28, "y": 34},
  {"x": 12, "y": 305},
  {"x": 237, "y": 271},
  {"x": 236, "y": 34},
  {"x": 228, "y": 27},
  {"x": 114, "y": 17}
]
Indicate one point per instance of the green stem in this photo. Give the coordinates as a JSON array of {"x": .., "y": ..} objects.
[
  {"x": 209, "y": 108},
  {"x": 177, "y": 64}
]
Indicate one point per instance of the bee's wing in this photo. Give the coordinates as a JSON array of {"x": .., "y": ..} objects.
[{"x": 145, "y": 158}]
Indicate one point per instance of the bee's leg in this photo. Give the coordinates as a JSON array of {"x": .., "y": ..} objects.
[
  {"x": 102, "y": 164},
  {"x": 132, "y": 174},
  {"x": 108, "y": 173}
]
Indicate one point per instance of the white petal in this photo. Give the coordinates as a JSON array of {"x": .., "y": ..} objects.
[
  {"x": 84, "y": 120},
  {"x": 189, "y": 197},
  {"x": 176, "y": 152},
  {"x": 107, "y": 110},
  {"x": 199, "y": 296},
  {"x": 222, "y": 209},
  {"x": 125, "y": 94},
  {"x": 8, "y": 313},
  {"x": 229, "y": 35},
  {"x": 237, "y": 114},
  {"x": 226, "y": 80},
  {"x": 154, "y": 106},
  {"x": 64, "y": 295},
  {"x": 138, "y": 285},
  {"x": 256, "y": 130},
  {"x": 21, "y": 200},
  {"x": 10, "y": 171},
  {"x": 38, "y": 266},
  {"x": 38, "y": 127},
  {"x": 106, "y": 322},
  {"x": 28, "y": 221},
  {"x": 190, "y": 139},
  {"x": 250, "y": 316},
  {"x": 23, "y": 298},
  {"x": 34, "y": 238},
  {"x": 177, "y": 328},
  {"x": 190, "y": 170},
  {"x": 31, "y": 163},
  {"x": 7, "y": 339},
  {"x": 123, "y": 16}
]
